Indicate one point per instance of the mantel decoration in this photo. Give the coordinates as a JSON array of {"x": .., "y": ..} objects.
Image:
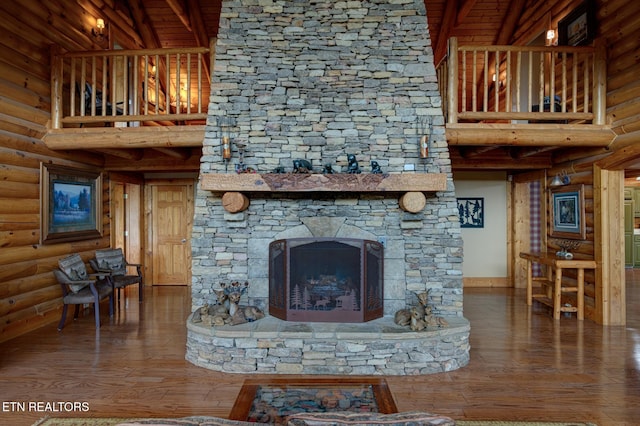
[
  {"x": 70, "y": 204},
  {"x": 227, "y": 309},
  {"x": 420, "y": 317},
  {"x": 567, "y": 212},
  {"x": 565, "y": 248},
  {"x": 579, "y": 26}
]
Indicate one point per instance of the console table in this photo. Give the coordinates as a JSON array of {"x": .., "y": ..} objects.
[{"x": 552, "y": 287}]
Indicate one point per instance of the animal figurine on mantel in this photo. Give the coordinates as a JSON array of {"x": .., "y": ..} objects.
[
  {"x": 302, "y": 166},
  {"x": 352, "y": 164}
]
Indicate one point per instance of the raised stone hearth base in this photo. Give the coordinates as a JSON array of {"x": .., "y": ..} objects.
[{"x": 273, "y": 346}]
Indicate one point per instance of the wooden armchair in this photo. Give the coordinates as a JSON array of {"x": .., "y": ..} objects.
[
  {"x": 79, "y": 288},
  {"x": 112, "y": 262}
]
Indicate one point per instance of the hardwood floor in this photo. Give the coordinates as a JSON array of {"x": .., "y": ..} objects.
[{"x": 524, "y": 366}]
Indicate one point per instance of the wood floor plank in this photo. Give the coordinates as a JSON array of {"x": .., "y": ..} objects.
[{"x": 524, "y": 365}]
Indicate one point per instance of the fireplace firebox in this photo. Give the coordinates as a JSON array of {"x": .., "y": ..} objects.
[{"x": 326, "y": 279}]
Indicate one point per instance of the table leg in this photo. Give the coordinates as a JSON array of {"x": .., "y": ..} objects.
[
  {"x": 557, "y": 294},
  {"x": 580, "y": 295}
]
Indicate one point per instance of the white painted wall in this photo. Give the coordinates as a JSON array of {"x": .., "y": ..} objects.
[{"x": 485, "y": 249}]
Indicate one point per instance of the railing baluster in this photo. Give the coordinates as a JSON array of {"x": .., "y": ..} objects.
[
  {"x": 474, "y": 98},
  {"x": 167, "y": 108},
  {"x": 518, "y": 81},
  {"x": 199, "y": 82},
  {"x": 496, "y": 83},
  {"x": 73, "y": 88},
  {"x": 464, "y": 82},
  {"x": 507, "y": 98}
]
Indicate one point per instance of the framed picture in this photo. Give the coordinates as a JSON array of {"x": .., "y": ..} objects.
[
  {"x": 579, "y": 26},
  {"x": 471, "y": 212},
  {"x": 70, "y": 204},
  {"x": 567, "y": 212}
]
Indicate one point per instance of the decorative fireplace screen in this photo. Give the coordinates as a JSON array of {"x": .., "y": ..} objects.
[{"x": 326, "y": 279}]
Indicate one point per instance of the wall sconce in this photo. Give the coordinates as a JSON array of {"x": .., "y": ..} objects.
[
  {"x": 224, "y": 125},
  {"x": 551, "y": 34},
  {"x": 98, "y": 31},
  {"x": 424, "y": 124},
  {"x": 560, "y": 179}
]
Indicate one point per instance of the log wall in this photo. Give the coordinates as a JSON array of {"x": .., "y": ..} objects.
[
  {"x": 29, "y": 295},
  {"x": 619, "y": 27}
]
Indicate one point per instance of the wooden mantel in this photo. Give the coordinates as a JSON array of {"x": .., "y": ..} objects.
[{"x": 341, "y": 182}]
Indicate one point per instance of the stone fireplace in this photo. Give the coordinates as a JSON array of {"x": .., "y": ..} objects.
[{"x": 318, "y": 81}]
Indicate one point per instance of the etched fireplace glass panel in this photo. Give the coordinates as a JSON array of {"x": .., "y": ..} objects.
[{"x": 326, "y": 279}]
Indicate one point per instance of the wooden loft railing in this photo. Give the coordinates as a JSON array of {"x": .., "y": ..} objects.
[
  {"x": 132, "y": 87},
  {"x": 550, "y": 83},
  {"x": 543, "y": 95}
]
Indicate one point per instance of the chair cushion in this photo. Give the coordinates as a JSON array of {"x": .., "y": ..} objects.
[
  {"x": 111, "y": 259},
  {"x": 124, "y": 280},
  {"x": 73, "y": 267},
  {"x": 84, "y": 295}
]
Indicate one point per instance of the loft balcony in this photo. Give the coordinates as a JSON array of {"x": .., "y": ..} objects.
[
  {"x": 502, "y": 104},
  {"x": 510, "y": 103},
  {"x": 120, "y": 102}
]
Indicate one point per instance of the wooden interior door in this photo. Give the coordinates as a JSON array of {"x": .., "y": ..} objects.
[
  {"x": 126, "y": 219},
  {"x": 171, "y": 218}
]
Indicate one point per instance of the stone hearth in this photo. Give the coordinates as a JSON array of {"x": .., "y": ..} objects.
[
  {"x": 317, "y": 81},
  {"x": 273, "y": 346}
]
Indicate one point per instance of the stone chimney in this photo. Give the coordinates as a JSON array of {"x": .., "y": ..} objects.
[{"x": 317, "y": 80}]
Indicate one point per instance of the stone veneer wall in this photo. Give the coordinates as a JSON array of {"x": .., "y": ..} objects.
[{"x": 318, "y": 80}]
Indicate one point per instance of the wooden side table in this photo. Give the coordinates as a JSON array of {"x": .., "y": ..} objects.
[{"x": 552, "y": 284}]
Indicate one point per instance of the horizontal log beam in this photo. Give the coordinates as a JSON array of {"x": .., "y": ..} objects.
[
  {"x": 81, "y": 119},
  {"x": 125, "y": 137},
  {"x": 512, "y": 115},
  {"x": 299, "y": 182},
  {"x": 459, "y": 164},
  {"x": 565, "y": 135}
]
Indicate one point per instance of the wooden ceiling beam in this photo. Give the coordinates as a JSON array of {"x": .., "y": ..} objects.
[
  {"x": 475, "y": 152},
  {"x": 520, "y": 153},
  {"x": 465, "y": 8},
  {"x": 446, "y": 27},
  {"x": 154, "y": 161},
  {"x": 143, "y": 24},
  {"x": 127, "y": 154},
  {"x": 180, "y": 154},
  {"x": 499, "y": 164},
  {"x": 200, "y": 33},
  {"x": 178, "y": 8}
]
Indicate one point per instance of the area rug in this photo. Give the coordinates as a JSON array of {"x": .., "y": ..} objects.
[
  {"x": 115, "y": 421},
  {"x": 271, "y": 401}
]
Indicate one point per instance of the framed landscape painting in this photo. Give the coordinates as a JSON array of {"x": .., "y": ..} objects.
[
  {"x": 70, "y": 204},
  {"x": 567, "y": 212}
]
